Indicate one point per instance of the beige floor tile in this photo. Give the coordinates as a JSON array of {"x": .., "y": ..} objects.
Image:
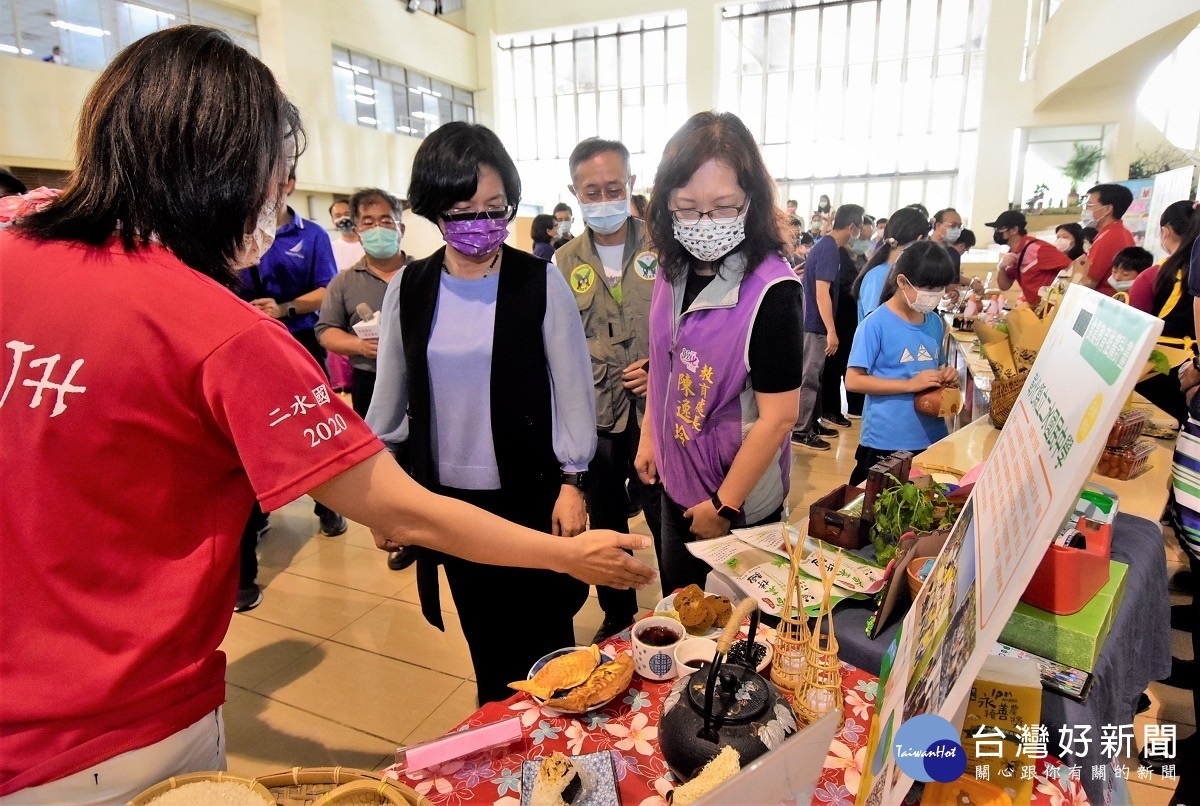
[
  {"x": 356, "y": 535},
  {"x": 258, "y": 649},
  {"x": 290, "y": 538},
  {"x": 397, "y": 629},
  {"x": 312, "y": 606},
  {"x": 409, "y": 593},
  {"x": 1171, "y": 705},
  {"x": 354, "y": 567},
  {"x": 457, "y": 707},
  {"x": 266, "y": 736},
  {"x": 367, "y": 692},
  {"x": 587, "y": 621},
  {"x": 1142, "y": 794}
]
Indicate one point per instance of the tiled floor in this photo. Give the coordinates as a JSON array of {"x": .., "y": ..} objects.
[{"x": 337, "y": 666}]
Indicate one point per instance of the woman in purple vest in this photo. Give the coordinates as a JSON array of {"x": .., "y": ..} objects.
[{"x": 725, "y": 341}]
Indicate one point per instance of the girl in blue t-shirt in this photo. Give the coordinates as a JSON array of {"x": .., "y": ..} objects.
[
  {"x": 897, "y": 352},
  {"x": 905, "y": 227}
]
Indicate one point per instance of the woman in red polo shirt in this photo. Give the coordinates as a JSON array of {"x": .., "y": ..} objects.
[{"x": 144, "y": 408}]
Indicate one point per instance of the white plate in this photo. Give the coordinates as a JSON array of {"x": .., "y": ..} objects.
[
  {"x": 669, "y": 603},
  {"x": 542, "y": 661}
]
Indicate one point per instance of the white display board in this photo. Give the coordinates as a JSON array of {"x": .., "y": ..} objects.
[{"x": 1169, "y": 187}]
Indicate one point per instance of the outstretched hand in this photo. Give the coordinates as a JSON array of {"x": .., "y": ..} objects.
[{"x": 600, "y": 559}]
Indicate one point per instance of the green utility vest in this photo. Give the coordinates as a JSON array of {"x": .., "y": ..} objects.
[{"x": 615, "y": 320}]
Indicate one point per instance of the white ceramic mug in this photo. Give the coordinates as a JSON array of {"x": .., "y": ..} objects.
[
  {"x": 651, "y": 661},
  {"x": 691, "y": 653}
]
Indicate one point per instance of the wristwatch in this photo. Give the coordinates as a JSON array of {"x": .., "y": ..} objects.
[
  {"x": 577, "y": 480},
  {"x": 727, "y": 512},
  {"x": 291, "y": 309}
]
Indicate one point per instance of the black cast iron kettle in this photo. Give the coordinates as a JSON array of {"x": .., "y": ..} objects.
[{"x": 723, "y": 704}]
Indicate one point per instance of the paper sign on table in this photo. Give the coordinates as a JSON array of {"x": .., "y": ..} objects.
[{"x": 1087, "y": 369}]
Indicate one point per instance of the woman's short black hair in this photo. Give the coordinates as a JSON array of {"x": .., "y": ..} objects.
[
  {"x": 924, "y": 264},
  {"x": 541, "y": 223},
  {"x": 712, "y": 136},
  {"x": 185, "y": 138},
  {"x": 446, "y": 168}
]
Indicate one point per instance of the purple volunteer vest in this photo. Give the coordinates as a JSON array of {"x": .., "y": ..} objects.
[{"x": 707, "y": 405}]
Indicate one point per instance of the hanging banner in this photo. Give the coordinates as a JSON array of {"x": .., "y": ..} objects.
[
  {"x": 1137, "y": 217},
  {"x": 1169, "y": 187},
  {"x": 1093, "y": 355}
]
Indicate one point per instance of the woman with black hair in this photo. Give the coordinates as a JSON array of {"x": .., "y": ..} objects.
[
  {"x": 906, "y": 226},
  {"x": 1171, "y": 301},
  {"x": 899, "y": 351},
  {"x": 1068, "y": 238},
  {"x": 485, "y": 391},
  {"x": 725, "y": 341},
  {"x": 543, "y": 231},
  {"x": 150, "y": 408}
]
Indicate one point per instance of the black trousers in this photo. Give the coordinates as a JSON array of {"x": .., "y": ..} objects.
[
  {"x": 511, "y": 616},
  {"x": 678, "y": 568},
  {"x": 845, "y": 323},
  {"x": 1164, "y": 391},
  {"x": 608, "y": 498},
  {"x": 867, "y": 458},
  {"x": 249, "y": 548},
  {"x": 362, "y": 387}
]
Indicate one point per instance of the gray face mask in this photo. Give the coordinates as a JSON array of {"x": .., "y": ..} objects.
[{"x": 952, "y": 234}]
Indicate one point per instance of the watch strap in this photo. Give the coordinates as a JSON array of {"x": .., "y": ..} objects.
[{"x": 725, "y": 511}]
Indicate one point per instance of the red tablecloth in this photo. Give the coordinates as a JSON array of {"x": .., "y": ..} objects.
[{"x": 628, "y": 728}]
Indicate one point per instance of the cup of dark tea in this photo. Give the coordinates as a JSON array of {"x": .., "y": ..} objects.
[{"x": 654, "y": 642}]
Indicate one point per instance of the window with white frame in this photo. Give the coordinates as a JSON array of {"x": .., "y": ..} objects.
[
  {"x": 622, "y": 81},
  {"x": 88, "y": 33},
  {"x": 867, "y": 101},
  {"x": 391, "y": 98}
]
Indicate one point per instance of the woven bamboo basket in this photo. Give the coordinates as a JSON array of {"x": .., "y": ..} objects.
[
  {"x": 1004, "y": 394},
  {"x": 216, "y": 776},
  {"x": 792, "y": 635},
  {"x": 338, "y": 786},
  {"x": 820, "y": 688}
]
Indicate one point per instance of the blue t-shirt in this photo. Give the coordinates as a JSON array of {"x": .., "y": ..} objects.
[
  {"x": 823, "y": 263},
  {"x": 887, "y": 346},
  {"x": 299, "y": 261},
  {"x": 870, "y": 288}
]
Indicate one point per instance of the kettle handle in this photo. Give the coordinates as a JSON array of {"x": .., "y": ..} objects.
[{"x": 744, "y": 608}]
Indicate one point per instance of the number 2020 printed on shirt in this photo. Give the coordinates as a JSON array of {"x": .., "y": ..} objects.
[{"x": 326, "y": 430}]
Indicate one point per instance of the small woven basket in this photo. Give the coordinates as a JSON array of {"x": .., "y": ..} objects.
[
  {"x": 338, "y": 786},
  {"x": 792, "y": 635},
  {"x": 1004, "y": 394},
  {"x": 820, "y": 688},
  {"x": 216, "y": 776}
]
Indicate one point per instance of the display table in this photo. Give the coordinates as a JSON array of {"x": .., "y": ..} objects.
[
  {"x": 1138, "y": 649},
  {"x": 1145, "y": 496},
  {"x": 628, "y": 728}
]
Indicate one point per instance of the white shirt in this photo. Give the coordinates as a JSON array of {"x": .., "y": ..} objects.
[
  {"x": 611, "y": 256},
  {"x": 345, "y": 253}
]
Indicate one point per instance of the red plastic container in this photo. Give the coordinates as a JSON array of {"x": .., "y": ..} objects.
[
  {"x": 1127, "y": 429},
  {"x": 1068, "y": 578},
  {"x": 1126, "y": 463}
]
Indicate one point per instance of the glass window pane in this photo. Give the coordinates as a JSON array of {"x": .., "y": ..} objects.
[
  {"x": 365, "y": 62},
  {"x": 631, "y": 61},
  {"x": 564, "y": 68},
  {"x": 526, "y": 119},
  {"x": 937, "y": 193},
  {"x": 805, "y": 45},
  {"x": 753, "y": 45},
  {"x": 606, "y": 58},
  {"x": 862, "y": 33},
  {"x": 441, "y": 89},
  {"x": 523, "y": 83},
  {"x": 547, "y": 130},
  {"x": 879, "y": 198},
  {"x": 775, "y": 157},
  {"x": 385, "y": 110},
  {"x": 654, "y": 52},
  {"x": 609, "y": 116},
  {"x": 340, "y": 55},
  {"x": 776, "y": 105},
  {"x": 586, "y": 107},
  {"x": 394, "y": 73},
  {"x": 343, "y": 94},
  {"x": 779, "y": 44},
  {"x": 922, "y": 25},
  {"x": 910, "y": 191},
  {"x": 654, "y": 101},
  {"x": 585, "y": 65},
  {"x": 676, "y": 55},
  {"x": 566, "y": 124},
  {"x": 892, "y": 14},
  {"x": 631, "y": 119},
  {"x": 460, "y": 112},
  {"x": 543, "y": 72},
  {"x": 751, "y": 110},
  {"x": 833, "y": 35}
]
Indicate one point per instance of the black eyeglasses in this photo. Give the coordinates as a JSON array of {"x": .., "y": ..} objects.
[
  {"x": 719, "y": 215},
  {"x": 506, "y": 212}
]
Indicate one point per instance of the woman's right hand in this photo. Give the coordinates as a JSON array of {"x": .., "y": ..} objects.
[
  {"x": 644, "y": 464},
  {"x": 598, "y": 557},
  {"x": 925, "y": 379}
]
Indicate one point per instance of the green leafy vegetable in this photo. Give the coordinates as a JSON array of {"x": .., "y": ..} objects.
[{"x": 1160, "y": 362}]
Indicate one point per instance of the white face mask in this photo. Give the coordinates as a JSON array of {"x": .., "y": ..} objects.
[
  {"x": 1120, "y": 285},
  {"x": 258, "y": 242},
  {"x": 709, "y": 241},
  {"x": 927, "y": 299},
  {"x": 1064, "y": 244},
  {"x": 605, "y": 217},
  {"x": 564, "y": 229},
  {"x": 952, "y": 234}
]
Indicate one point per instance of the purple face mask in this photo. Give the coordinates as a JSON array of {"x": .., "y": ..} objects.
[{"x": 480, "y": 236}]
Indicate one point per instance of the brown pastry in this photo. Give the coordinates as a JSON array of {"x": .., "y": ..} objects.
[
  {"x": 693, "y": 612},
  {"x": 565, "y": 671},
  {"x": 606, "y": 682},
  {"x": 691, "y": 593},
  {"x": 722, "y": 609}
]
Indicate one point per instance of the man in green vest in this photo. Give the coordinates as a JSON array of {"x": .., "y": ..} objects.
[{"x": 611, "y": 271}]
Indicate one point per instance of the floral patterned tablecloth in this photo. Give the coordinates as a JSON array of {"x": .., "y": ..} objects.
[{"x": 628, "y": 728}]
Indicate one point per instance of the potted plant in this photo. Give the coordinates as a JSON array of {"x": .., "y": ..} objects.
[
  {"x": 1080, "y": 167},
  {"x": 904, "y": 508}
]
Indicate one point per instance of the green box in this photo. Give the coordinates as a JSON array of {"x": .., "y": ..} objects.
[{"x": 1074, "y": 640}]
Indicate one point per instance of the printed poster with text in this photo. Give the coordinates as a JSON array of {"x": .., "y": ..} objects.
[{"x": 1092, "y": 357}]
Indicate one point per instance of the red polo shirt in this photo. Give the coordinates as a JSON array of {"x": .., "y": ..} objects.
[
  {"x": 143, "y": 408},
  {"x": 1112, "y": 239},
  {"x": 1040, "y": 262}
]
